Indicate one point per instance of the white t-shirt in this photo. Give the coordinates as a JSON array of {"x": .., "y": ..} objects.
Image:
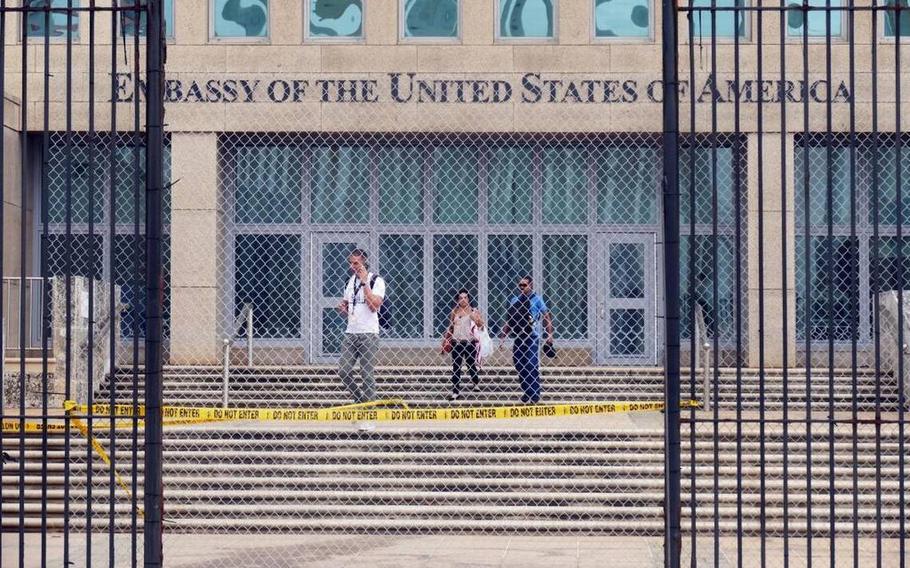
[{"x": 361, "y": 319}]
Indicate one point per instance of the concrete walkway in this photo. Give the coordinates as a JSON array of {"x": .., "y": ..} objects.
[{"x": 325, "y": 551}]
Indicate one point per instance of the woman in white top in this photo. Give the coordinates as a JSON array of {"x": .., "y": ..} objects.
[{"x": 459, "y": 339}]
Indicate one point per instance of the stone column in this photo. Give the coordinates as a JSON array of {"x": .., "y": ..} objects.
[
  {"x": 194, "y": 249},
  {"x": 774, "y": 252}
]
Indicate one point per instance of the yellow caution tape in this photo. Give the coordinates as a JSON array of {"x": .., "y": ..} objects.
[
  {"x": 175, "y": 415},
  {"x": 31, "y": 427}
]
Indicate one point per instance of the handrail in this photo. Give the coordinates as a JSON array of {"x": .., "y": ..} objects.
[
  {"x": 244, "y": 317},
  {"x": 703, "y": 355}
]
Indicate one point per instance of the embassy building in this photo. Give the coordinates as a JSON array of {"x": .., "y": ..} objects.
[{"x": 466, "y": 143}]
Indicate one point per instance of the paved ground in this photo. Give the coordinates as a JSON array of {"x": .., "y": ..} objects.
[{"x": 287, "y": 551}]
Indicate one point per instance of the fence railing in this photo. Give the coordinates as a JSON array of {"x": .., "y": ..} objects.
[
  {"x": 12, "y": 303},
  {"x": 243, "y": 319},
  {"x": 703, "y": 356}
]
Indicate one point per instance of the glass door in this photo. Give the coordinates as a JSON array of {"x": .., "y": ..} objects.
[{"x": 625, "y": 296}]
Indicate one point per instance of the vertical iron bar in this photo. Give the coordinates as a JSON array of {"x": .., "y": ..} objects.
[
  {"x": 90, "y": 282},
  {"x": 901, "y": 281},
  {"x": 153, "y": 337},
  {"x": 23, "y": 180},
  {"x": 112, "y": 232},
  {"x": 808, "y": 279},
  {"x": 714, "y": 284},
  {"x": 138, "y": 283},
  {"x": 785, "y": 346},
  {"x": 67, "y": 264},
  {"x": 876, "y": 289},
  {"x": 673, "y": 532},
  {"x": 45, "y": 284},
  {"x": 761, "y": 297},
  {"x": 829, "y": 206},
  {"x": 738, "y": 317},
  {"x": 854, "y": 296},
  {"x": 694, "y": 346},
  {"x": 2, "y": 224}
]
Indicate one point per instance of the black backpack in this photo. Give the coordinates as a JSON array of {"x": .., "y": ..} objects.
[
  {"x": 521, "y": 321},
  {"x": 385, "y": 311}
]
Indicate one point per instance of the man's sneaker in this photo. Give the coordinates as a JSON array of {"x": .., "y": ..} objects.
[
  {"x": 474, "y": 385},
  {"x": 365, "y": 426},
  {"x": 454, "y": 396}
]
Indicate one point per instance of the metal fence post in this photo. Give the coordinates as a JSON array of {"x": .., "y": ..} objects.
[
  {"x": 672, "y": 503},
  {"x": 154, "y": 310}
]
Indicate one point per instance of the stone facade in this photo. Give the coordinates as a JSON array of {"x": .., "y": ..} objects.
[{"x": 570, "y": 85}]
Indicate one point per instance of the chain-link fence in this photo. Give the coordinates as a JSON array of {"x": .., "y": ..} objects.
[{"x": 457, "y": 277}]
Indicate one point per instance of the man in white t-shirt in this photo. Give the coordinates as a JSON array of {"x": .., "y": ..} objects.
[{"x": 363, "y": 296}]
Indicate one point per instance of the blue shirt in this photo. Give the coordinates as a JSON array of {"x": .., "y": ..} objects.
[{"x": 538, "y": 309}]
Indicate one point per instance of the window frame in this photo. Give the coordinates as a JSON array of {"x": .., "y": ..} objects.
[
  {"x": 884, "y": 18},
  {"x": 649, "y": 38},
  {"x": 745, "y": 37},
  {"x": 170, "y": 35},
  {"x": 499, "y": 38},
  {"x": 402, "y": 27},
  {"x": 336, "y": 39},
  {"x": 214, "y": 38},
  {"x": 32, "y": 39},
  {"x": 839, "y": 37}
]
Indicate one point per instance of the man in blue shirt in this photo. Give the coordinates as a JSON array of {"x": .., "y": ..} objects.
[{"x": 528, "y": 313}]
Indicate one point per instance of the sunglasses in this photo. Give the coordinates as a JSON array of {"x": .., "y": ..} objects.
[{"x": 522, "y": 285}]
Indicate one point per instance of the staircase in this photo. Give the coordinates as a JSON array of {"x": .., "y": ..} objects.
[
  {"x": 428, "y": 387},
  {"x": 597, "y": 475}
]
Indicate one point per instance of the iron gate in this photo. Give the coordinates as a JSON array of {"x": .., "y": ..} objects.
[
  {"x": 94, "y": 273},
  {"x": 781, "y": 308},
  {"x": 817, "y": 472}
]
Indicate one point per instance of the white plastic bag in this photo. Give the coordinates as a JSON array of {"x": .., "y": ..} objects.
[{"x": 486, "y": 343}]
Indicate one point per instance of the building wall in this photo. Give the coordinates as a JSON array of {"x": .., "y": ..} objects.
[{"x": 291, "y": 84}]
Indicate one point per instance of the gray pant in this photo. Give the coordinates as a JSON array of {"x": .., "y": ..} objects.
[{"x": 362, "y": 346}]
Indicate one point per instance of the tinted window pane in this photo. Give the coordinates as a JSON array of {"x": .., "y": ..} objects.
[
  {"x": 129, "y": 256},
  {"x": 887, "y": 183},
  {"x": 510, "y": 189},
  {"x": 818, "y": 25},
  {"x": 455, "y": 185},
  {"x": 128, "y": 18},
  {"x": 126, "y": 190},
  {"x": 818, "y": 185},
  {"x": 267, "y": 275},
  {"x": 526, "y": 18},
  {"x": 891, "y": 19},
  {"x": 509, "y": 258},
  {"x": 622, "y": 18},
  {"x": 430, "y": 18},
  {"x": 340, "y": 184},
  {"x": 703, "y": 291},
  {"x": 401, "y": 263},
  {"x": 336, "y": 18},
  {"x": 400, "y": 185},
  {"x": 627, "y": 332},
  {"x": 628, "y": 180},
  {"x": 267, "y": 184},
  {"x": 724, "y": 20},
  {"x": 565, "y": 278},
  {"x": 454, "y": 267},
  {"x": 241, "y": 18},
  {"x": 74, "y": 256},
  {"x": 565, "y": 185},
  {"x": 627, "y": 270},
  {"x": 704, "y": 184},
  {"x": 71, "y": 192},
  {"x": 845, "y": 287},
  {"x": 60, "y": 22}
]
